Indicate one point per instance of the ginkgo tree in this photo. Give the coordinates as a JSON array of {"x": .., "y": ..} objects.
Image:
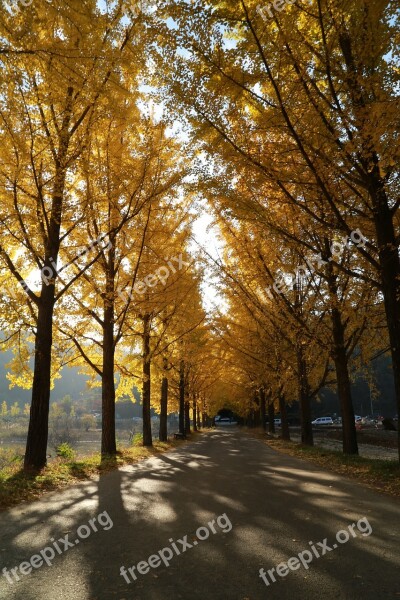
[
  {"x": 61, "y": 63},
  {"x": 169, "y": 320}
]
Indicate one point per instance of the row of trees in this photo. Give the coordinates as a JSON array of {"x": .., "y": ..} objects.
[
  {"x": 286, "y": 126},
  {"x": 95, "y": 201},
  {"x": 295, "y": 117},
  {"x": 7, "y": 412}
]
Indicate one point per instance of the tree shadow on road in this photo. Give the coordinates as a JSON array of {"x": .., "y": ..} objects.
[{"x": 276, "y": 505}]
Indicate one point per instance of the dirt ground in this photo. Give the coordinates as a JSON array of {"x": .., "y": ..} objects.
[{"x": 372, "y": 442}]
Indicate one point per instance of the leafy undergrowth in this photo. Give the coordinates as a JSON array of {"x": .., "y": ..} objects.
[
  {"x": 381, "y": 475},
  {"x": 17, "y": 486}
]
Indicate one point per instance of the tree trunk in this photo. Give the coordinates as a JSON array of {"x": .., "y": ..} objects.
[
  {"x": 271, "y": 416},
  {"x": 342, "y": 369},
  {"x": 304, "y": 400},
  {"x": 108, "y": 441},
  {"x": 263, "y": 409},
  {"x": 36, "y": 445},
  {"x": 194, "y": 413},
  {"x": 182, "y": 398},
  {"x": 187, "y": 418},
  {"x": 257, "y": 414},
  {"x": 187, "y": 415},
  {"x": 187, "y": 404},
  {"x": 147, "y": 437},
  {"x": 350, "y": 445},
  {"x": 284, "y": 420},
  {"x": 198, "y": 417},
  {"x": 250, "y": 419},
  {"x": 163, "y": 433}
]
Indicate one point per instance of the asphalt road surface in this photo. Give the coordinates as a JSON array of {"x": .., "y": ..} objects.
[{"x": 242, "y": 506}]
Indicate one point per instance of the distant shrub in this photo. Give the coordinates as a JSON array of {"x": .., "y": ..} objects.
[
  {"x": 64, "y": 450},
  {"x": 88, "y": 421},
  {"x": 60, "y": 427},
  {"x": 137, "y": 439}
]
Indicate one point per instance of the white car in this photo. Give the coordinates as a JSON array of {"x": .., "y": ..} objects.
[{"x": 323, "y": 421}]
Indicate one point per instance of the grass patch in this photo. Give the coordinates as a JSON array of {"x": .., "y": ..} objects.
[
  {"x": 17, "y": 486},
  {"x": 381, "y": 475}
]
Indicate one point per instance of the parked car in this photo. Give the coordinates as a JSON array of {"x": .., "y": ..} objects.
[{"x": 323, "y": 421}]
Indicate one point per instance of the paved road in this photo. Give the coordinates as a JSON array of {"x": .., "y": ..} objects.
[{"x": 275, "y": 504}]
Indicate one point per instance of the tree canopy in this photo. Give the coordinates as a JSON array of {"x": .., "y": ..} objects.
[{"x": 119, "y": 121}]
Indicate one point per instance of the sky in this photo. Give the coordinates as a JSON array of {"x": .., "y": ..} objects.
[{"x": 206, "y": 238}]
